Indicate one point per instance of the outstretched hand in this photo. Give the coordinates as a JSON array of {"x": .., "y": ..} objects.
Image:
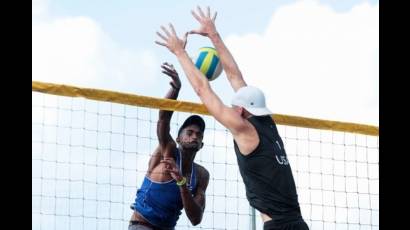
[
  {"x": 207, "y": 23},
  {"x": 171, "y": 40},
  {"x": 169, "y": 70}
]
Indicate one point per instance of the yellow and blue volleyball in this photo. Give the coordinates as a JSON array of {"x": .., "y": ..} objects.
[{"x": 208, "y": 63}]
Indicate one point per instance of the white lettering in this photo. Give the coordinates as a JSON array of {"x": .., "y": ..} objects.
[
  {"x": 282, "y": 160},
  {"x": 277, "y": 142}
]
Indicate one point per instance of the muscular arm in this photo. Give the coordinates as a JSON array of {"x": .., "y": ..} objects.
[
  {"x": 229, "y": 65},
  {"x": 195, "y": 206},
  {"x": 166, "y": 143},
  {"x": 163, "y": 125}
]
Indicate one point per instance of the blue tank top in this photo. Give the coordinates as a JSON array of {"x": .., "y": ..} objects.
[{"x": 160, "y": 203}]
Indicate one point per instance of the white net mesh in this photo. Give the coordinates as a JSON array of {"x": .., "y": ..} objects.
[{"x": 89, "y": 158}]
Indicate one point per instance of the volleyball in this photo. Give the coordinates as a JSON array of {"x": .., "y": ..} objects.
[{"x": 208, "y": 63}]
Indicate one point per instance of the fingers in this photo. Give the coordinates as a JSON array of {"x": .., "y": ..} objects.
[
  {"x": 162, "y": 36},
  {"x": 173, "y": 85},
  {"x": 200, "y": 11},
  {"x": 195, "y": 16},
  {"x": 161, "y": 43},
  {"x": 170, "y": 166},
  {"x": 169, "y": 72},
  {"x": 169, "y": 68},
  {"x": 167, "y": 165},
  {"x": 169, "y": 170},
  {"x": 167, "y": 64},
  {"x": 167, "y": 161},
  {"x": 172, "y": 171},
  {"x": 214, "y": 17},
  {"x": 172, "y": 29},
  {"x": 185, "y": 39},
  {"x": 165, "y": 31},
  {"x": 202, "y": 15},
  {"x": 172, "y": 73}
]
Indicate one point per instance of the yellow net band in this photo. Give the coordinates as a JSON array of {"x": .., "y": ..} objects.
[{"x": 183, "y": 106}]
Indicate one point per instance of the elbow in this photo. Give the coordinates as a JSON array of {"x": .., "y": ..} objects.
[{"x": 196, "y": 221}]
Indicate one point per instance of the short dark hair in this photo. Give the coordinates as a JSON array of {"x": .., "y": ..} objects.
[{"x": 193, "y": 120}]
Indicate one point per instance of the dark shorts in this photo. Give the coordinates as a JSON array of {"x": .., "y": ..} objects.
[
  {"x": 297, "y": 225},
  {"x": 136, "y": 225}
]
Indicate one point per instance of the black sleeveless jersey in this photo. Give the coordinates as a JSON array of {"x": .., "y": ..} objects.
[{"x": 269, "y": 183}]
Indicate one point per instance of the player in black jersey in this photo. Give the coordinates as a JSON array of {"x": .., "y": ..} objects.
[{"x": 265, "y": 169}]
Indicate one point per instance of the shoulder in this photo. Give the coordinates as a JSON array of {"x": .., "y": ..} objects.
[
  {"x": 264, "y": 118},
  {"x": 261, "y": 121},
  {"x": 202, "y": 173}
]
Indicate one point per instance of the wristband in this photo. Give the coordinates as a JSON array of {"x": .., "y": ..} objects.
[{"x": 181, "y": 182}]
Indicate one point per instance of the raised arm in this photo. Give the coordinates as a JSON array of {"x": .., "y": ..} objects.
[
  {"x": 163, "y": 125},
  {"x": 225, "y": 115},
  {"x": 166, "y": 143},
  {"x": 208, "y": 29}
]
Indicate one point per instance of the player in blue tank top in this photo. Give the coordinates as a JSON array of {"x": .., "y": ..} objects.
[{"x": 173, "y": 181}]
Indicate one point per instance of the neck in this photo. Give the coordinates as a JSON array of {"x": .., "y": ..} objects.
[
  {"x": 187, "y": 157},
  {"x": 248, "y": 116}
]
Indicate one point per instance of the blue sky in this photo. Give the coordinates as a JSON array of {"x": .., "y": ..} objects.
[{"x": 312, "y": 58}]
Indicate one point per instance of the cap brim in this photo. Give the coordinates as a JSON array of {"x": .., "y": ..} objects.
[{"x": 259, "y": 111}]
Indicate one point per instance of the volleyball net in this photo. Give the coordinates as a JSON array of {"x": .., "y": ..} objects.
[{"x": 90, "y": 153}]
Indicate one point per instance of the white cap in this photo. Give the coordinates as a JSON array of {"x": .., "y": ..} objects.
[{"x": 252, "y": 99}]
